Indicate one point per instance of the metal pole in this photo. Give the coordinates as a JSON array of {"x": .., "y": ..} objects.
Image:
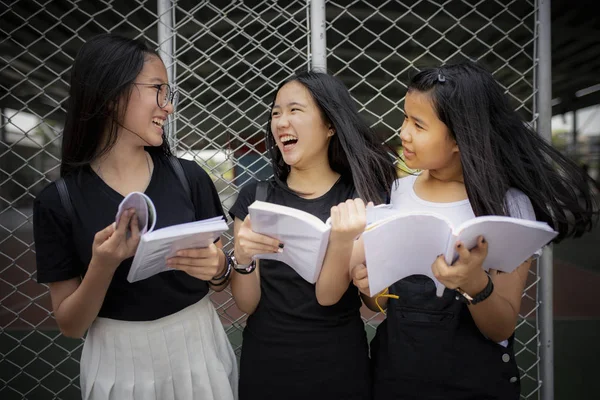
[
  {"x": 544, "y": 125},
  {"x": 317, "y": 36},
  {"x": 165, "y": 49},
  {"x": 2, "y": 127},
  {"x": 574, "y": 137},
  {"x": 165, "y": 35}
]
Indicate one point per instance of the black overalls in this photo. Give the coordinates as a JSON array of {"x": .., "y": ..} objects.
[{"x": 430, "y": 348}]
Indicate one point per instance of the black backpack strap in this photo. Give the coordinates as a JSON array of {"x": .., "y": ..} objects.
[
  {"x": 262, "y": 191},
  {"x": 178, "y": 169},
  {"x": 181, "y": 175},
  {"x": 65, "y": 199}
]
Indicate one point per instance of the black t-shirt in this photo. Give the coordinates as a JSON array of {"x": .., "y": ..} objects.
[
  {"x": 288, "y": 310},
  {"x": 64, "y": 248}
]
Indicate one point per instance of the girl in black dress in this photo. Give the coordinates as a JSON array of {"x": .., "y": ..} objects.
[
  {"x": 160, "y": 337},
  {"x": 302, "y": 340}
]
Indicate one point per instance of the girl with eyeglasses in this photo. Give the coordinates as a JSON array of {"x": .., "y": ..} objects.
[{"x": 158, "y": 338}]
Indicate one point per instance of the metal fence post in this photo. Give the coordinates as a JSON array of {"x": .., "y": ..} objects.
[
  {"x": 318, "y": 38},
  {"x": 166, "y": 44},
  {"x": 544, "y": 128}
]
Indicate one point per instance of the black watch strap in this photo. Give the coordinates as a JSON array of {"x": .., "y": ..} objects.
[
  {"x": 485, "y": 293},
  {"x": 241, "y": 269},
  {"x": 479, "y": 297}
]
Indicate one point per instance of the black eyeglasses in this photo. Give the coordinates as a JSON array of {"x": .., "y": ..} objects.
[{"x": 164, "y": 93}]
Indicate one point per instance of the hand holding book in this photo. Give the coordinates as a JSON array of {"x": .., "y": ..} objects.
[
  {"x": 360, "y": 278},
  {"x": 408, "y": 244},
  {"x": 203, "y": 264},
  {"x": 156, "y": 246},
  {"x": 348, "y": 220},
  {"x": 114, "y": 244},
  {"x": 249, "y": 244},
  {"x": 306, "y": 237},
  {"x": 467, "y": 272}
]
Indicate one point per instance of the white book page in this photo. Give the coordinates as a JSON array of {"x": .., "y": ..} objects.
[
  {"x": 268, "y": 212},
  {"x": 304, "y": 254},
  {"x": 303, "y": 238},
  {"x": 155, "y": 247},
  {"x": 511, "y": 241},
  {"x": 175, "y": 231},
  {"x": 402, "y": 246},
  {"x": 380, "y": 212},
  {"x": 376, "y": 213}
]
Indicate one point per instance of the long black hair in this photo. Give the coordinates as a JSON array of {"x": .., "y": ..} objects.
[
  {"x": 354, "y": 151},
  {"x": 498, "y": 150},
  {"x": 101, "y": 79}
]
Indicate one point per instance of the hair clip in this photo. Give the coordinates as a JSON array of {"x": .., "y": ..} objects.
[{"x": 441, "y": 78}]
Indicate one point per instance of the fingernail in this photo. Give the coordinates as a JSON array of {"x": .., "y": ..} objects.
[
  {"x": 482, "y": 240},
  {"x": 281, "y": 245},
  {"x": 459, "y": 245},
  {"x": 280, "y": 250}
]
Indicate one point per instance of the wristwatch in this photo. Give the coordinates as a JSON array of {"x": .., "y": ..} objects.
[{"x": 241, "y": 268}]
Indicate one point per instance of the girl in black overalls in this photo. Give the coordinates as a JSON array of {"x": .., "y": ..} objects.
[{"x": 476, "y": 158}]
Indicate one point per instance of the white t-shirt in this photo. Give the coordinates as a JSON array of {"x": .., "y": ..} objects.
[{"x": 403, "y": 197}]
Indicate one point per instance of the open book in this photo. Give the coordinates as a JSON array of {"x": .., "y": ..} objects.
[
  {"x": 407, "y": 244},
  {"x": 157, "y": 245},
  {"x": 305, "y": 236}
]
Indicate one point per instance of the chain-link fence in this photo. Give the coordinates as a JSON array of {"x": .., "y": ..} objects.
[
  {"x": 376, "y": 47},
  {"x": 227, "y": 58}
]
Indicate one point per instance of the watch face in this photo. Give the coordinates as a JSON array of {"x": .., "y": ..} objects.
[{"x": 246, "y": 269}]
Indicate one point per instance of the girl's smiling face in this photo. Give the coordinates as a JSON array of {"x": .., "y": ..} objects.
[
  {"x": 426, "y": 141},
  {"x": 298, "y": 127}
]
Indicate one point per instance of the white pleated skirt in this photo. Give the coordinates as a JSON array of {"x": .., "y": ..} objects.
[{"x": 182, "y": 356}]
